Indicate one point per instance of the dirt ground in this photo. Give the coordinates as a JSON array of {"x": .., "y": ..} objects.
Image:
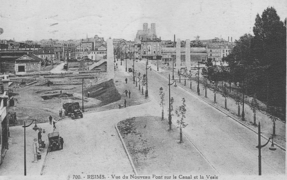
[
  {"x": 29, "y": 103},
  {"x": 155, "y": 150}
]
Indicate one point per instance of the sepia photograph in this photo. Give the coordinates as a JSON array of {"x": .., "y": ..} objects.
[{"x": 143, "y": 89}]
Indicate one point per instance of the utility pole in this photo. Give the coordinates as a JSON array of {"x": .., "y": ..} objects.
[{"x": 173, "y": 58}]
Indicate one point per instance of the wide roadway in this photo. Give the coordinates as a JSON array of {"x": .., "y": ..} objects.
[{"x": 229, "y": 147}]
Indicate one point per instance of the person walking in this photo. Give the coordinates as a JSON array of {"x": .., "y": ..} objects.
[
  {"x": 40, "y": 136},
  {"x": 60, "y": 113},
  {"x": 89, "y": 94},
  {"x": 129, "y": 94},
  {"x": 35, "y": 150},
  {"x": 54, "y": 124},
  {"x": 126, "y": 80},
  {"x": 125, "y": 103},
  {"x": 50, "y": 119}
]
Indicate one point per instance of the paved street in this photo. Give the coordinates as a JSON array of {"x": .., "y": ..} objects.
[
  {"x": 227, "y": 145},
  {"x": 92, "y": 144}
]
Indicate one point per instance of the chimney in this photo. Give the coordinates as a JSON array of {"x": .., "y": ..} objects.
[
  {"x": 231, "y": 39},
  {"x": 228, "y": 38}
]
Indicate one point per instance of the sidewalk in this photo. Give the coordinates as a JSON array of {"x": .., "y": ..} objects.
[
  {"x": 232, "y": 108},
  {"x": 13, "y": 164}
]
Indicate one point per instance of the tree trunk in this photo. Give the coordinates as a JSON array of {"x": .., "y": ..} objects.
[
  {"x": 214, "y": 97},
  {"x": 254, "y": 118},
  {"x": 238, "y": 114},
  {"x": 162, "y": 117},
  {"x": 180, "y": 135},
  {"x": 225, "y": 103},
  {"x": 190, "y": 84},
  {"x": 274, "y": 134},
  {"x": 205, "y": 92}
]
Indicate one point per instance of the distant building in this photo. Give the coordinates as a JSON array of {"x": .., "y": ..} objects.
[
  {"x": 45, "y": 54},
  {"x": 7, "y": 60},
  {"x": 150, "y": 45},
  {"x": 27, "y": 63},
  {"x": 89, "y": 47},
  {"x": 98, "y": 53}
]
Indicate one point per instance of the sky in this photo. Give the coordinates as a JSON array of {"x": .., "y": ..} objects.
[{"x": 76, "y": 19}]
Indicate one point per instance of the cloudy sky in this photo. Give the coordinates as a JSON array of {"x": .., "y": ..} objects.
[{"x": 75, "y": 19}]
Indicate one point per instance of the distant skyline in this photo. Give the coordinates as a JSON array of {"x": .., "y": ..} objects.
[{"x": 75, "y": 19}]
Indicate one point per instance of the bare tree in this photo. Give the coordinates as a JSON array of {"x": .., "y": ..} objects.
[{"x": 180, "y": 112}]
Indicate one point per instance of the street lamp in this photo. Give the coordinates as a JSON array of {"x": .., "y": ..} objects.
[
  {"x": 34, "y": 128},
  {"x": 198, "y": 89},
  {"x": 272, "y": 148},
  {"x": 147, "y": 67}
]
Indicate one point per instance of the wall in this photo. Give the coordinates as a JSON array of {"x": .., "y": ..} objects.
[{"x": 7, "y": 66}]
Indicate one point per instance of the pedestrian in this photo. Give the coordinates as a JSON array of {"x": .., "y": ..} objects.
[
  {"x": 126, "y": 91},
  {"x": 35, "y": 150},
  {"x": 125, "y": 103},
  {"x": 50, "y": 119},
  {"x": 89, "y": 94},
  {"x": 40, "y": 136},
  {"x": 129, "y": 94},
  {"x": 60, "y": 113},
  {"x": 126, "y": 80},
  {"x": 54, "y": 124}
]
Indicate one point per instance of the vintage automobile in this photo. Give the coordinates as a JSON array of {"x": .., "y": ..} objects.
[
  {"x": 55, "y": 141},
  {"x": 72, "y": 110}
]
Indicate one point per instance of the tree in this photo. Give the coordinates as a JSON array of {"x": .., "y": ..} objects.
[
  {"x": 254, "y": 107},
  {"x": 180, "y": 112},
  {"x": 170, "y": 111},
  {"x": 161, "y": 94},
  {"x": 269, "y": 48},
  {"x": 225, "y": 94}
]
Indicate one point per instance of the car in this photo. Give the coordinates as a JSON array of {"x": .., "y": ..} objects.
[
  {"x": 56, "y": 142},
  {"x": 130, "y": 70}
]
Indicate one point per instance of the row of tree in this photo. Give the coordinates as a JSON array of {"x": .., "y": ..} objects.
[{"x": 258, "y": 62}]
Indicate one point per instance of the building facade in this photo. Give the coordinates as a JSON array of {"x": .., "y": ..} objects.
[{"x": 147, "y": 43}]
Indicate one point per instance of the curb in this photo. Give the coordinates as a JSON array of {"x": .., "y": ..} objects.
[
  {"x": 229, "y": 114},
  {"x": 126, "y": 150},
  {"x": 44, "y": 161},
  {"x": 222, "y": 111}
]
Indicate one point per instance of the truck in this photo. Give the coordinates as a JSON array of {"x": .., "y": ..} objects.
[{"x": 72, "y": 110}]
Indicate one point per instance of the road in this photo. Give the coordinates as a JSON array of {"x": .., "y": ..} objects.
[{"x": 227, "y": 145}]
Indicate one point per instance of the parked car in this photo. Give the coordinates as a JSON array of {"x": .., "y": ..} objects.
[
  {"x": 56, "y": 142},
  {"x": 72, "y": 110}
]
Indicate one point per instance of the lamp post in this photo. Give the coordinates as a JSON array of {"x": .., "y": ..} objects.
[
  {"x": 34, "y": 128},
  {"x": 147, "y": 67},
  {"x": 272, "y": 148},
  {"x": 198, "y": 68}
]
